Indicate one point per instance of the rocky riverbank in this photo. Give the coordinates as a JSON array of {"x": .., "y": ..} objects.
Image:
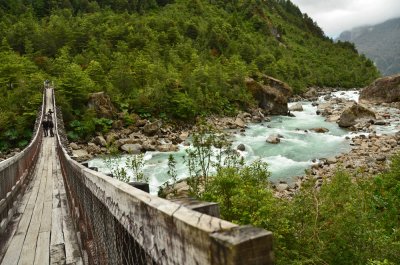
[
  {"x": 9, "y": 153},
  {"x": 369, "y": 148},
  {"x": 370, "y": 153},
  {"x": 145, "y": 135}
]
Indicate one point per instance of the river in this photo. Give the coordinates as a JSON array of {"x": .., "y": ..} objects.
[{"x": 299, "y": 148}]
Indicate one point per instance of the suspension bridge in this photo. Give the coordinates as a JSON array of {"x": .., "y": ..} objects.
[{"x": 54, "y": 210}]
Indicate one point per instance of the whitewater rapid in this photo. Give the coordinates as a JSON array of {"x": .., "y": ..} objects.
[{"x": 299, "y": 148}]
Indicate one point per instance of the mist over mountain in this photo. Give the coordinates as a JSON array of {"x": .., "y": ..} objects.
[{"x": 380, "y": 43}]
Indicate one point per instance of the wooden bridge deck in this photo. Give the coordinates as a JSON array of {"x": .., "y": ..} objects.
[{"x": 42, "y": 231}]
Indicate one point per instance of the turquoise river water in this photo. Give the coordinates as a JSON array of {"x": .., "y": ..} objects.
[{"x": 297, "y": 150}]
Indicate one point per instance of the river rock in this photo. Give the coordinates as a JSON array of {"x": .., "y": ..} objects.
[
  {"x": 386, "y": 89},
  {"x": 93, "y": 149},
  {"x": 257, "y": 119},
  {"x": 74, "y": 146},
  {"x": 151, "y": 129},
  {"x": 132, "y": 148},
  {"x": 271, "y": 94},
  {"x": 81, "y": 155},
  {"x": 99, "y": 140},
  {"x": 241, "y": 147},
  {"x": 320, "y": 130},
  {"x": 101, "y": 104},
  {"x": 244, "y": 115},
  {"x": 239, "y": 122},
  {"x": 333, "y": 118},
  {"x": 352, "y": 115},
  {"x": 311, "y": 93},
  {"x": 148, "y": 146},
  {"x": 381, "y": 158},
  {"x": 380, "y": 122},
  {"x": 296, "y": 107},
  {"x": 167, "y": 148},
  {"x": 282, "y": 187},
  {"x": 331, "y": 160},
  {"x": 273, "y": 139}
]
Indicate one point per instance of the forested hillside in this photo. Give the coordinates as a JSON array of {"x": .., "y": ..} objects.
[{"x": 168, "y": 59}]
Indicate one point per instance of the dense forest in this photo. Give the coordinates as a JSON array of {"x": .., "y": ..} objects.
[
  {"x": 177, "y": 60},
  {"x": 160, "y": 58}
]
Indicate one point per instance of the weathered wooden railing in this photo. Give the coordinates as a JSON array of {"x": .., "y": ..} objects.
[
  {"x": 15, "y": 170},
  {"x": 119, "y": 224}
]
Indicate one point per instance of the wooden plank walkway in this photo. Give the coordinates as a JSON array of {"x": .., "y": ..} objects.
[{"x": 43, "y": 230}]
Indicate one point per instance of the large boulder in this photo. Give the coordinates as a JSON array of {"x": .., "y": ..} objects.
[
  {"x": 81, "y": 155},
  {"x": 241, "y": 147},
  {"x": 74, "y": 146},
  {"x": 93, "y": 149},
  {"x": 99, "y": 140},
  {"x": 319, "y": 130},
  {"x": 239, "y": 122},
  {"x": 311, "y": 93},
  {"x": 271, "y": 94},
  {"x": 353, "y": 114},
  {"x": 101, "y": 104},
  {"x": 132, "y": 148},
  {"x": 151, "y": 129},
  {"x": 386, "y": 89},
  {"x": 296, "y": 107},
  {"x": 273, "y": 139}
]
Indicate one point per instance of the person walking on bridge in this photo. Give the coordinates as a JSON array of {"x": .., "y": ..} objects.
[
  {"x": 49, "y": 115},
  {"x": 51, "y": 126},
  {"x": 45, "y": 125}
]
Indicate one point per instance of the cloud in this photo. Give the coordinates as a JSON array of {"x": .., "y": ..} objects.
[{"x": 336, "y": 16}]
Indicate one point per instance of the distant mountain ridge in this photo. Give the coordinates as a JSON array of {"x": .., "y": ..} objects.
[{"x": 380, "y": 43}]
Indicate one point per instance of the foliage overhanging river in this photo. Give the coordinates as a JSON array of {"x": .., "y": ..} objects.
[{"x": 288, "y": 159}]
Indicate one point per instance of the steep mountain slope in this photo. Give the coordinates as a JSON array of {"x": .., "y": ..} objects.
[
  {"x": 170, "y": 59},
  {"x": 380, "y": 43}
]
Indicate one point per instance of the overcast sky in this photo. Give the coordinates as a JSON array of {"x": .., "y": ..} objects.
[{"x": 335, "y": 16}]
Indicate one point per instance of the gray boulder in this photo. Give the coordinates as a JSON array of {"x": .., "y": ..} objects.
[
  {"x": 239, "y": 122},
  {"x": 320, "y": 130},
  {"x": 74, "y": 146},
  {"x": 99, "y": 140},
  {"x": 81, "y": 155},
  {"x": 282, "y": 187},
  {"x": 153, "y": 128},
  {"x": 311, "y": 93},
  {"x": 273, "y": 139},
  {"x": 93, "y": 148},
  {"x": 132, "y": 148},
  {"x": 271, "y": 94},
  {"x": 352, "y": 115},
  {"x": 296, "y": 107},
  {"x": 386, "y": 89},
  {"x": 241, "y": 147}
]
